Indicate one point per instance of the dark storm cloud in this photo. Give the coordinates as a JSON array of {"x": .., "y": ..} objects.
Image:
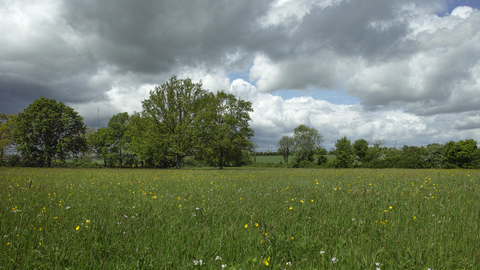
[{"x": 157, "y": 36}]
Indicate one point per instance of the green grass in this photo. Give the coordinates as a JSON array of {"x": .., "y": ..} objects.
[{"x": 168, "y": 219}]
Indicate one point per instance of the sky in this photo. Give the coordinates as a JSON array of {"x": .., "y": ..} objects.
[{"x": 405, "y": 72}]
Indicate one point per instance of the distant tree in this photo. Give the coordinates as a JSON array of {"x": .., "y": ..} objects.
[
  {"x": 343, "y": 153},
  {"x": 118, "y": 125},
  {"x": 7, "y": 124},
  {"x": 47, "y": 130},
  {"x": 432, "y": 156},
  {"x": 360, "y": 149},
  {"x": 225, "y": 130},
  {"x": 100, "y": 143},
  {"x": 176, "y": 107},
  {"x": 307, "y": 142},
  {"x": 285, "y": 147},
  {"x": 462, "y": 153}
]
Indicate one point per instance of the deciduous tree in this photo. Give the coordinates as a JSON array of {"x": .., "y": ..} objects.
[
  {"x": 175, "y": 106},
  {"x": 7, "y": 124},
  {"x": 47, "y": 130},
  {"x": 285, "y": 147},
  {"x": 226, "y": 130},
  {"x": 307, "y": 141}
]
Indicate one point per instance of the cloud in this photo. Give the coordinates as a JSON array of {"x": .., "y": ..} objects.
[{"x": 414, "y": 67}]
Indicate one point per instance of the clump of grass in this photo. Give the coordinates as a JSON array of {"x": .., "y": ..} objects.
[{"x": 238, "y": 218}]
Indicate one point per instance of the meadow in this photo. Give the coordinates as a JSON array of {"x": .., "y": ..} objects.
[{"x": 239, "y": 218}]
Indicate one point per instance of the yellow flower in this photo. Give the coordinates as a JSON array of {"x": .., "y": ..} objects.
[
  {"x": 390, "y": 207},
  {"x": 55, "y": 217},
  {"x": 292, "y": 238},
  {"x": 88, "y": 221},
  {"x": 291, "y": 208},
  {"x": 414, "y": 217},
  {"x": 256, "y": 224},
  {"x": 78, "y": 228},
  {"x": 266, "y": 234},
  {"x": 246, "y": 226},
  {"x": 180, "y": 205},
  {"x": 8, "y": 244}
]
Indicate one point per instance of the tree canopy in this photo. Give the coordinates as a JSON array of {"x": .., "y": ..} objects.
[
  {"x": 285, "y": 147},
  {"x": 47, "y": 130},
  {"x": 7, "y": 124},
  {"x": 307, "y": 141},
  {"x": 176, "y": 107}
]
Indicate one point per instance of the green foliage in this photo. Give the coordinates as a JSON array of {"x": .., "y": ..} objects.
[
  {"x": 360, "y": 150},
  {"x": 285, "y": 147},
  {"x": 307, "y": 142},
  {"x": 344, "y": 153},
  {"x": 177, "y": 106},
  {"x": 116, "y": 140},
  {"x": 322, "y": 160},
  {"x": 7, "y": 124},
  {"x": 47, "y": 130},
  {"x": 225, "y": 131},
  {"x": 146, "y": 141}
]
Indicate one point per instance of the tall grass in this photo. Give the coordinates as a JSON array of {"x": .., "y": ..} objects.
[{"x": 239, "y": 219}]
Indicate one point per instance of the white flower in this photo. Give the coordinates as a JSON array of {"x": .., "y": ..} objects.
[
  {"x": 68, "y": 207},
  {"x": 322, "y": 252},
  {"x": 195, "y": 262},
  {"x": 378, "y": 268},
  {"x": 377, "y": 264},
  {"x": 353, "y": 219},
  {"x": 289, "y": 263},
  {"x": 197, "y": 208},
  {"x": 224, "y": 265},
  {"x": 334, "y": 259},
  {"x": 218, "y": 258}
]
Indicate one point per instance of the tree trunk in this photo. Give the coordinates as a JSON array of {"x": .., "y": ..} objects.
[
  {"x": 179, "y": 161},
  {"x": 221, "y": 160}
]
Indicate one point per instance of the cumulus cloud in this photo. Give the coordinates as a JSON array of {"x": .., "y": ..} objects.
[{"x": 414, "y": 66}]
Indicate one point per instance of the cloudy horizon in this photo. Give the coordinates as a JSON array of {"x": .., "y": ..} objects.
[{"x": 405, "y": 72}]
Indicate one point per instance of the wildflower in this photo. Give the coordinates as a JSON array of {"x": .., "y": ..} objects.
[
  {"x": 291, "y": 208},
  {"x": 68, "y": 207},
  {"x": 180, "y": 205},
  {"x": 256, "y": 224},
  {"x": 88, "y": 221},
  {"x": 322, "y": 252},
  {"x": 289, "y": 263},
  {"x": 246, "y": 226},
  {"x": 334, "y": 260},
  {"x": 390, "y": 207},
  {"x": 78, "y": 228},
  {"x": 197, "y": 208},
  {"x": 55, "y": 217},
  {"x": 8, "y": 243},
  {"x": 377, "y": 264},
  {"x": 224, "y": 266},
  {"x": 218, "y": 258},
  {"x": 414, "y": 217},
  {"x": 292, "y": 238}
]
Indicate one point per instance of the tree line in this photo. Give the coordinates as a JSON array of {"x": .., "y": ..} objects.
[
  {"x": 179, "y": 121},
  {"x": 306, "y": 147}
]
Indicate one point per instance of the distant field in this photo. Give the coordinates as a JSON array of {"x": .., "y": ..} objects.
[
  {"x": 276, "y": 159},
  {"x": 239, "y": 218}
]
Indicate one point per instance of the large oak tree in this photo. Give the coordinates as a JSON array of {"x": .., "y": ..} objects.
[{"x": 176, "y": 107}]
